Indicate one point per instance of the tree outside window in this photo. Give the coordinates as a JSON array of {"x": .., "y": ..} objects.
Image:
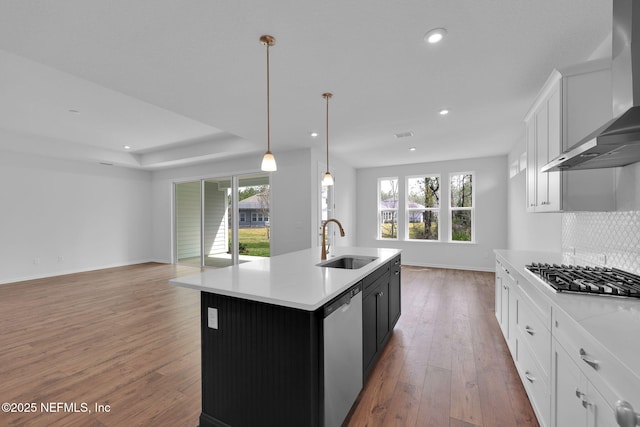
[
  {"x": 388, "y": 208},
  {"x": 423, "y": 205},
  {"x": 462, "y": 209}
]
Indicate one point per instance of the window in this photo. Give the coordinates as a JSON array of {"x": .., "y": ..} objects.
[
  {"x": 461, "y": 207},
  {"x": 388, "y": 208},
  {"x": 423, "y": 206}
]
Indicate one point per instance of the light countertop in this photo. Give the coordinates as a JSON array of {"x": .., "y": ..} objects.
[
  {"x": 291, "y": 280},
  {"x": 613, "y": 321}
]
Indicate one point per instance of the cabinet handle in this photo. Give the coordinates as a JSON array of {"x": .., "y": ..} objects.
[
  {"x": 397, "y": 273},
  {"x": 397, "y": 262},
  {"x": 380, "y": 294},
  {"x": 529, "y": 377},
  {"x": 589, "y": 360},
  {"x": 583, "y": 397},
  {"x": 625, "y": 415},
  {"x": 530, "y": 330}
]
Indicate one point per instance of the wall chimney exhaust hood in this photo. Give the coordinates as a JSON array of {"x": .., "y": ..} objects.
[{"x": 616, "y": 143}]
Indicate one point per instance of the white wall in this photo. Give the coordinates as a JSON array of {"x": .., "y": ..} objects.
[
  {"x": 92, "y": 216},
  {"x": 529, "y": 231},
  {"x": 345, "y": 201},
  {"x": 59, "y": 216},
  {"x": 490, "y": 218},
  {"x": 294, "y": 198}
]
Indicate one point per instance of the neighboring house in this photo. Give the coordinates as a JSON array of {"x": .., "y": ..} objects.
[
  {"x": 254, "y": 211},
  {"x": 414, "y": 216}
]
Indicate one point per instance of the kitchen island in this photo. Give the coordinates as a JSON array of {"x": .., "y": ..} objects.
[{"x": 263, "y": 355}]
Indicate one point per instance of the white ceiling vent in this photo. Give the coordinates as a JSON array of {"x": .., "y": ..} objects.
[{"x": 403, "y": 134}]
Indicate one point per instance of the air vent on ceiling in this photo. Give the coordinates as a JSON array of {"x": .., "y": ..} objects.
[{"x": 403, "y": 134}]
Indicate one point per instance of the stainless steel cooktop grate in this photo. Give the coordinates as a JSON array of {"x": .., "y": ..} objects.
[{"x": 589, "y": 280}]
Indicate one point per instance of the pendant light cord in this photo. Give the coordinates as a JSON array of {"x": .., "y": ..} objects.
[
  {"x": 268, "y": 106},
  {"x": 327, "y": 131}
]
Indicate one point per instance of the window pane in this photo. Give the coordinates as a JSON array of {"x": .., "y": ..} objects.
[
  {"x": 218, "y": 222},
  {"x": 461, "y": 226},
  {"x": 461, "y": 193},
  {"x": 388, "y": 197},
  {"x": 389, "y": 224},
  {"x": 254, "y": 197},
  {"x": 423, "y": 225},
  {"x": 188, "y": 226},
  {"x": 423, "y": 192}
]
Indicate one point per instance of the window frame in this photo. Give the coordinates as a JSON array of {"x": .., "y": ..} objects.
[
  {"x": 408, "y": 210},
  {"x": 381, "y": 211},
  {"x": 472, "y": 208}
]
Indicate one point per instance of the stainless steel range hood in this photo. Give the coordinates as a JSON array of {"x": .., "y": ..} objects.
[{"x": 616, "y": 143}]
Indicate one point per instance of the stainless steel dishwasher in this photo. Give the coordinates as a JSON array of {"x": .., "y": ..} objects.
[{"x": 342, "y": 354}]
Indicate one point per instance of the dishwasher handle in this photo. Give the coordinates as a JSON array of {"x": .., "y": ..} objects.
[{"x": 342, "y": 299}]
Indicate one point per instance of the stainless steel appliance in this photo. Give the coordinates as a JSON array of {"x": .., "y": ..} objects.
[
  {"x": 587, "y": 280},
  {"x": 616, "y": 143},
  {"x": 342, "y": 354}
]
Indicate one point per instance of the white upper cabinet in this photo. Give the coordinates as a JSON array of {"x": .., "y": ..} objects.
[{"x": 572, "y": 103}]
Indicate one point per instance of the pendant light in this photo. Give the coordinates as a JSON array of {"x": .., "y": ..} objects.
[
  {"x": 328, "y": 179},
  {"x": 268, "y": 161}
]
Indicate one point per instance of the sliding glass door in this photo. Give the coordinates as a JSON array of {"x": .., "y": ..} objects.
[
  {"x": 222, "y": 221},
  {"x": 188, "y": 232},
  {"x": 217, "y": 218}
]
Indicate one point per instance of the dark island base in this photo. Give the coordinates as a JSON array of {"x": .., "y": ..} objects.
[{"x": 261, "y": 366}]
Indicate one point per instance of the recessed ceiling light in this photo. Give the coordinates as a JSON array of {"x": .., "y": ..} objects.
[
  {"x": 443, "y": 112},
  {"x": 412, "y": 149},
  {"x": 435, "y": 35},
  {"x": 313, "y": 134},
  {"x": 126, "y": 147}
]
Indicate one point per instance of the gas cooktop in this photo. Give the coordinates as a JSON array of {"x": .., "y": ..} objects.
[{"x": 588, "y": 280}]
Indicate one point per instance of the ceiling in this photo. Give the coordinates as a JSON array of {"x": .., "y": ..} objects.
[{"x": 185, "y": 81}]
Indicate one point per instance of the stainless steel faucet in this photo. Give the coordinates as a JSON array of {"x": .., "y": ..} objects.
[{"x": 324, "y": 235}]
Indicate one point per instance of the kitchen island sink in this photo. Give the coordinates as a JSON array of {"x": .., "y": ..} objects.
[
  {"x": 263, "y": 332},
  {"x": 349, "y": 262}
]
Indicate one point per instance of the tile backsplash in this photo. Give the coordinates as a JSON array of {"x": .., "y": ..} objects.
[{"x": 609, "y": 239}]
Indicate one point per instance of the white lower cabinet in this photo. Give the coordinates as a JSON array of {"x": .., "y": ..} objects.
[
  {"x": 506, "y": 304},
  {"x": 535, "y": 382},
  {"x": 527, "y": 336},
  {"x": 576, "y": 401},
  {"x": 571, "y": 378}
]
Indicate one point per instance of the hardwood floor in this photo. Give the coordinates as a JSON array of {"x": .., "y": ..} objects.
[
  {"x": 446, "y": 363},
  {"x": 124, "y": 338}
]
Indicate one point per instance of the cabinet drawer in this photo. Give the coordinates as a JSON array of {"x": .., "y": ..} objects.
[
  {"x": 394, "y": 264},
  {"x": 532, "y": 330},
  {"x": 610, "y": 377},
  {"x": 377, "y": 274},
  {"x": 534, "y": 382},
  {"x": 536, "y": 298}
]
